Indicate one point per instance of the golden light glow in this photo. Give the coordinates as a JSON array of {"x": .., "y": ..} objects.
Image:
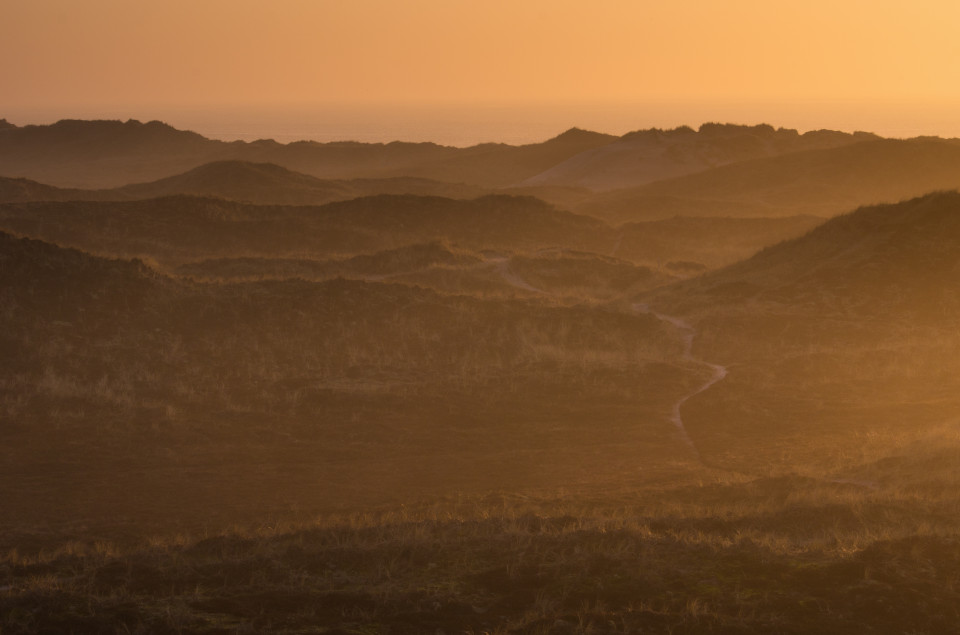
[{"x": 319, "y": 51}]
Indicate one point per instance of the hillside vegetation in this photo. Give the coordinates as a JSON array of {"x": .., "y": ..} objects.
[
  {"x": 340, "y": 384},
  {"x": 387, "y": 388},
  {"x": 849, "y": 331},
  {"x": 786, "y": 555},
  {"x": 176, "y": 229}
]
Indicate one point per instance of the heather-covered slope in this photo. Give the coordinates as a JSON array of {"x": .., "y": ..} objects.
[
  {"x": 894, "y": 261},
  {"x": 417, "y": 414},
  {"x": 177, "y": 229},
  {"x": 180, "y": 229},
  {"x": 848, "y": 332},
  {"x": 282, "y": 394}
]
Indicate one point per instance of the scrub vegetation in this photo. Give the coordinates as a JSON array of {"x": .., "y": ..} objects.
[{"x": 404, "y": 394}]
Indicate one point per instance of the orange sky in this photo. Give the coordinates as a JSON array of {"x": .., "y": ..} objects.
[{"x": 71, "y": 53}]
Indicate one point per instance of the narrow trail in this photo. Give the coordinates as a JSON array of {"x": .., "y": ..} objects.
[
  {"x": 717, "y": 372},
  {"x": 616, "y": 246},
  {"x": 502, "y": 264}
]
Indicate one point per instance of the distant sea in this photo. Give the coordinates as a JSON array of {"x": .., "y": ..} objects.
[{"x": 470, "y": 124}]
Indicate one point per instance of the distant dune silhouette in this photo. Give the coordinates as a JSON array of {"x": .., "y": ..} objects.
[
  {"x": 108, "y": 154},
  {"x": 263, "y": 183},
  {"x": 651, "y": 155},
  {"x": 718, "y": 170},
  {"x": 822, "y": 182},
  {"x": 20, "y": 190}
]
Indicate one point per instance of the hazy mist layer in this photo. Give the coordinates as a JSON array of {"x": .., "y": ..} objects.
[{"x": 466, "y": 124}]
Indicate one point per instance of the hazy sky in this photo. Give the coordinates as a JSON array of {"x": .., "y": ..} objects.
[{"x": 197, "y": 53}]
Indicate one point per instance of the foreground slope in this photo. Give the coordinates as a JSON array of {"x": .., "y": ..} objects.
[
  {"x": 131, "y": 397},
  {"x": 138, "y": 403},
  {"x": 850, "y": 330},
  {"x": 900, "y": 258},
  {"x": 788, "y": 555}
]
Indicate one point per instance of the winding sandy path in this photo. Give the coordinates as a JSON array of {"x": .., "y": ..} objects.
[
  {"x": 616, "y": 247},
  {"x": 502, "y": 264},
  {"x": 717, "y": 372}
]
